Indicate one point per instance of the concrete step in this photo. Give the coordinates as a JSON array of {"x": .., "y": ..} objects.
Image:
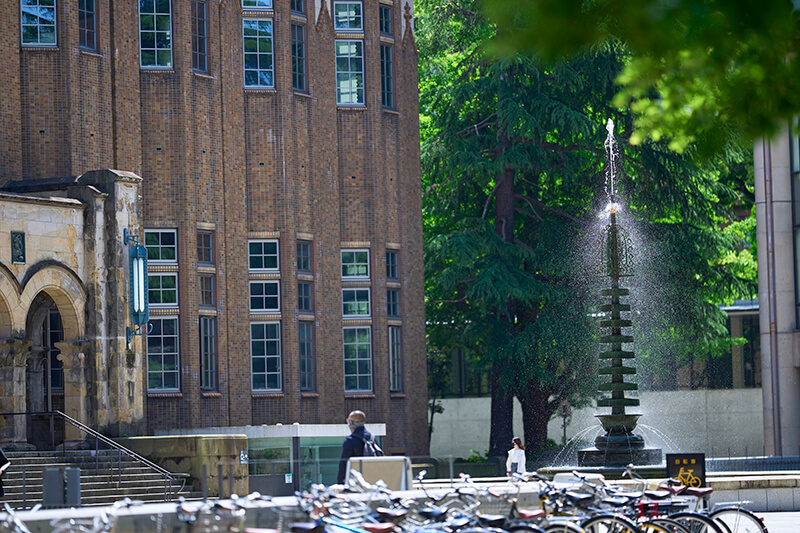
[{"x": 105, "y": 478}]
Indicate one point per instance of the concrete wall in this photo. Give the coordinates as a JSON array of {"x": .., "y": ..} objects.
[
  {"x": 189, "y": 454},
  {"x": 708, "y": 421}
]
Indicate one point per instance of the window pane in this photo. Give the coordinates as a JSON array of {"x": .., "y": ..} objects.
[
  {"x": 162, "y": 354},
  {"x": 265, "y": 356},
  {"x": 257, "y": 35}
]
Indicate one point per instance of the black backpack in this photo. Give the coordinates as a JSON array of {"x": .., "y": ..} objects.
[{"x": 371, "y": 448}]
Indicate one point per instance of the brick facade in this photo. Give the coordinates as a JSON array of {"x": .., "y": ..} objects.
[{"x": 245, "y": 164}]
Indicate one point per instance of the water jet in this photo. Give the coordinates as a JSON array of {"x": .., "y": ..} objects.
[{"x": 619, "y": 445}]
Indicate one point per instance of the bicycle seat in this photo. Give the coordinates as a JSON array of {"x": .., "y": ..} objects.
[
  {"x": 307, "y": 527},
  {"x": 617, "y": 501},
  {"x": 657, "y": 494},
  {"x": 433, "y": 513},
  {"x": 492, "y": 520},
  {"x": 699, "y": 492},
  {"x": 390, "y": 515},
  {"x": 633, "y": 495},
  {"x": 579, "y": 497},
  {"x": 674, "y": 489},
  {"x": 383, "y": 527},
  {"x": 528, "y": 514},
  {"x": 458, "y": 523}
]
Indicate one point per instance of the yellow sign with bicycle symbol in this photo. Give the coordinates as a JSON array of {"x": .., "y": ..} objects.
[{"x": 688, "y": 468}]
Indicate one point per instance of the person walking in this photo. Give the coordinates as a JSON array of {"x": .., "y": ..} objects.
[
  {"x": 353, "y": 445},
  {"x": 516, "y": 457}
]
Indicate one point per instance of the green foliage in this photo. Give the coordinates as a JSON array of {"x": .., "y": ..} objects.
[
  {"x": 477, "y": 457},
  {"x": 701, "y": 71},
  {"x": 513, "y": 167}
]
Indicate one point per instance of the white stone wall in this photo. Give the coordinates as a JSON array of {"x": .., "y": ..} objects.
[
  {"x": 714, "y": 422},
  {"x": 53, "y": 230}
]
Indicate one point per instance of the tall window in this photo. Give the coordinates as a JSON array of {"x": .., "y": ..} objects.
[
  {"x": 162, "y": 354},
  {"x": 387, "y": 89},
  {"x": 265, "y": 296},
  {"x": 263, "y": 255},
  {"x": 265, "y": 355},
  {"x": 258, "y": 68},
  {"x": 87, "y": 29},
  {"x": 206, "y": 285},
  {"x": 38, "y": 18},
  {"x": 385, "y": 19},
  {"x": 53, "y": 332},
  {"x": 304, "y": 256},
  {"x": 155, "y": 33},
  {"x": 349, "y": 72},
  {"x": 355, "y": 264},
  {"x": 392, "y": 302},
  {"x": 258, "y": 4},
  {"x": 297, "y": 5},
  {"x": 205, "y": 248},
  {"x": 347, "y": 16},
  {"x": 162, "y": 246},
  {"x": 357, "y": 359},
  {"x": 395, "y": 358},
  {"x": 208, "y": 355},
  {"x": 306, "y": 334},
  {"x": 162, "y": 289},
  {"x": 298, "y": 57},
  {"x": 304, "y": 301},
  {"x": 355, "y": 303},
  {"x": 391, "y": 265},
  {"x": 199, "y": 37}
]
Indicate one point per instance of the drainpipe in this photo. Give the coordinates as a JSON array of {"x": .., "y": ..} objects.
[{"x": 771, "y": 291}]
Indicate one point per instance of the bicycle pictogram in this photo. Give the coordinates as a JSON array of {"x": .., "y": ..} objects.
[{"x": 686, "y": 477}]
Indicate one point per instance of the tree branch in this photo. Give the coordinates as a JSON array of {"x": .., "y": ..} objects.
[
  {"x": 557, "y": 212},
  {"x": 535, "y": 215}
]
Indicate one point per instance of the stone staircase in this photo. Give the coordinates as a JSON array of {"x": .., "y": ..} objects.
[{"x": 105, "y": 478}]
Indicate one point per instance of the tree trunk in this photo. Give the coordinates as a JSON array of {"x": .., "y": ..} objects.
[
  {"x": 501, "y": 427},
  {"x": 536, "y": 414}
]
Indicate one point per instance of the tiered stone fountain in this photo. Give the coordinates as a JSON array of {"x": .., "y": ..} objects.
[{"x": 619, "y": 445}]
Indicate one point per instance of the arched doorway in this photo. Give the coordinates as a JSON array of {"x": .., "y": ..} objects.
[{"x": 45, "y": 376}]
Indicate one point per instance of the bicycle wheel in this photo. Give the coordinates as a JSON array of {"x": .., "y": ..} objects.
[
  {"x": 564, "y": 527},
  {"x": 697, "y": 523},
  {"x": 523, "y": 528},
  {"x": 609, "y": 524},
  {"x": 660, "y": 525},
  {"x": 739, "y": 520}
]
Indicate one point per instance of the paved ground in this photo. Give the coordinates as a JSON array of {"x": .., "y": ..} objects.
[{"x": 781, "y": 522}]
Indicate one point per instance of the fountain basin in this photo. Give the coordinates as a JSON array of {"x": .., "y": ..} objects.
[{"x": 619, "y": 423}]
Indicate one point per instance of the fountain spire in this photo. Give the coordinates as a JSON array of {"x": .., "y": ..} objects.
[{"x": 619, "y": 445}]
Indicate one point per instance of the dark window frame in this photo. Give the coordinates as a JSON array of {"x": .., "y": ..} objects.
[
  {"x": 87, "y": 24},
  {"x": 306, "y": 355},
  {"x": 299, "y": 58},
  {"x": 208, "y": 353},
  {"x": 200, "y": 36}
]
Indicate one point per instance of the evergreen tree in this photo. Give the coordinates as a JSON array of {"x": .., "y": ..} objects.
[{"x": 513, "y": 164}]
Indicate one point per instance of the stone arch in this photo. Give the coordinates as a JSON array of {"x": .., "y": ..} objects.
[
  {"x": 9, "y": 300},
  {"x": 66, "y": 290}
]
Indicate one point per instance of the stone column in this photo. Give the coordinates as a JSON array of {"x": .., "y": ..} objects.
[
  {"x": 13, "y": 357},
  {"x": 76, "y": 393}
]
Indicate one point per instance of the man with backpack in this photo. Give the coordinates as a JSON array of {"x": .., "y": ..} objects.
[{"x": 360, "y": 443}]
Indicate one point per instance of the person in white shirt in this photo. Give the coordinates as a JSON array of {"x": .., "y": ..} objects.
[{"x": 516, "y": 457}]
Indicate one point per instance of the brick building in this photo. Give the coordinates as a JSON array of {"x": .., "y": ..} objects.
[{"x": 277, "y": 143}]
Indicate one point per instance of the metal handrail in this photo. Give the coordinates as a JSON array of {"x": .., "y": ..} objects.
[{"x": 168, "y": 476}]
